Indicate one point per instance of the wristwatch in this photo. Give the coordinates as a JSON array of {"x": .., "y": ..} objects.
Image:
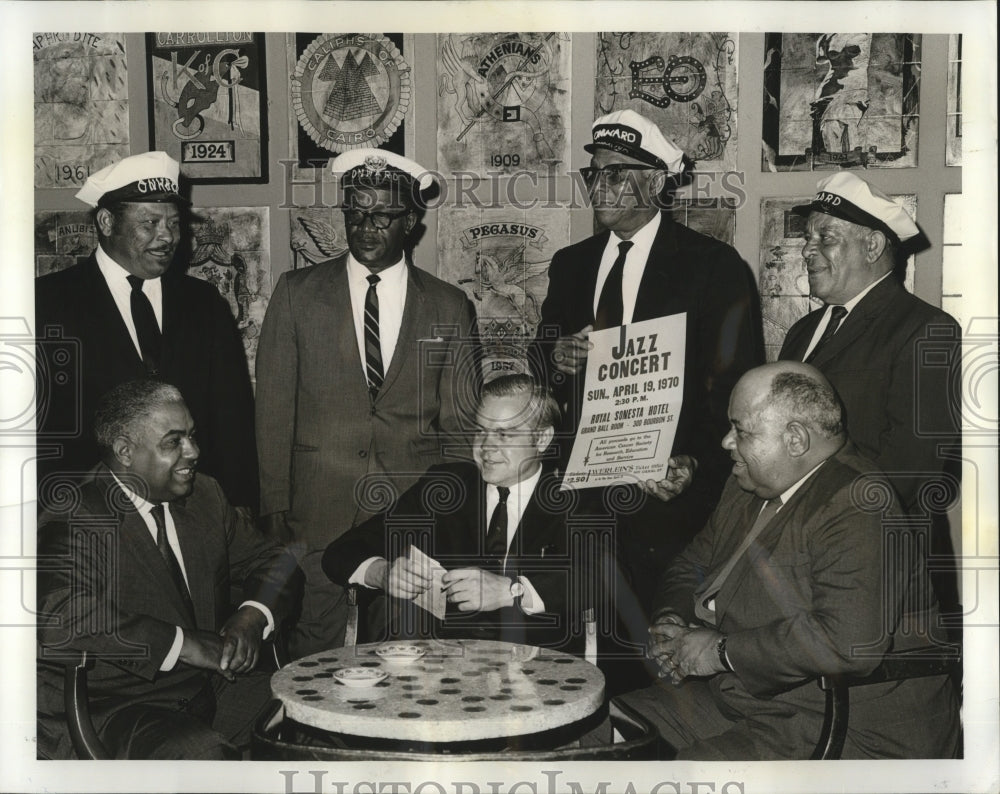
[{"x": 516, "y": 591}]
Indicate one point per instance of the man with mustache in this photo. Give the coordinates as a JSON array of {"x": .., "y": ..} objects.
[
  {"x": 128, "y": 312},
  {"x": 361, "y": 370}
]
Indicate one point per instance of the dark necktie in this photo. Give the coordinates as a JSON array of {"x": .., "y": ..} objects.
[
  {"x": 702, "y": 596},
  {"x": 496, "y": 534},
  {"x": 610, "y": 307},
  {"x": 167, "y": 553},
  {"x": 837, "y": 314},
  {"x": 146, "y": 328},
  {"x": 373, "y": 348}
]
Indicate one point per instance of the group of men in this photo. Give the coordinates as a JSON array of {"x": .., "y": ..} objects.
[{"x": 386, "y": 464}]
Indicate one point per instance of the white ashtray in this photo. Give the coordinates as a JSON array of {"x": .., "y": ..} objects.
[
  {"x": 360, "y": 677},
  {"x": 400, "y": 654}
]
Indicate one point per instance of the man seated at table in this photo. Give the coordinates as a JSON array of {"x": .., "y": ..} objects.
[
  {"x": 794, "y": 577},
  {"x": 498, "y": 527},
  {"x": 136, "y": 574}
]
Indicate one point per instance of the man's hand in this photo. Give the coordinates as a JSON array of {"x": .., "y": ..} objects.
[
  {"x": 204, "y": 649},
  {"x": 683, "y": 651},
  {"x": 660, "y": 633},
  {"x": 680, "y": 473},
  {"x": 407, "y": 579},
  {"x": 274, "y": 527},
  {"x": 242, "y": 635},
  {"x": 570, "y": 352},
  {"x": 476, "y": 590}
]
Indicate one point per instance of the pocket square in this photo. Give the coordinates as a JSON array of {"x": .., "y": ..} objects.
[{"x": 431, "y": 339}]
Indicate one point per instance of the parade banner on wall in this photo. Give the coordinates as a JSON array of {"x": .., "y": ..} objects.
[
  {"x": 784, "y": 282},
  {"x": 317, "y": 234},
  {"x": 208, "y": 104},
  {"x": 229, "y": 247},
  {"x": 347, "y": 91},
  {"x": 840, "y": 100},
  {"x": 685, "y": 82},
  {"x": 632, "y": 398},
  {"x": 81, "y": 105},
  {"x": 501, "y": 257},
  {"x": 503, "y": 102}
]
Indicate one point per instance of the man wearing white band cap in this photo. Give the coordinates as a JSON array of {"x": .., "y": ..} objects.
[
  {"x": 872, "y": 355},
  {"x": 890, "y": 356},
  {"x": 358, "y": 377},
  {"x": 132, "y": 313},
  {"x": 651, "y": 267}
]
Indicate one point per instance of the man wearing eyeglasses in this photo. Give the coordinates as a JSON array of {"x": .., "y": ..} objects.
[
  {"x": 643, "y": 265},
  {"x": 500, "y": 528},
  {"x": 361, "y": 364}
]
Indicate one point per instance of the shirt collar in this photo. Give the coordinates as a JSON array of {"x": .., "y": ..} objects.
[
  {"x": 849, "y": 305},
  {"x": 358, "y": 273},
  {"x": 114, "y": 273},
  {"x": 642, "y": 239},
  {"x": 143, "y": 506},
  {"x": 790, "y": 492}
]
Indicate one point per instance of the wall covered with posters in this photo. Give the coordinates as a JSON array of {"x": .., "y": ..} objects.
[{"x": 255, "y": 118}]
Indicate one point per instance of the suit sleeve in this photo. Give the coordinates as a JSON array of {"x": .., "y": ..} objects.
[
  {"x": 841, "y": 623},
  {"x": 232, "y": 412},
  {"x": 78, "y": 605},
  {"x": 919, "y": 400},
  {"x": 461, "y": 377},
  {"x": 277, "y": 372},
  {"x": 729, "y": 341},
  {"x": 267, "y": 570}
]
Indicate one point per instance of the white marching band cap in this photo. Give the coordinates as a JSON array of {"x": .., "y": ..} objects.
[
  {"x": 629, "y": 133},
  {"x": 376, "y": 166},
  {"x": 147, "y": 177},
  {"x": 849, "y": 197}
]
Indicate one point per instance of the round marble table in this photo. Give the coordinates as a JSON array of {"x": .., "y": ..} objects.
[{"x": 459, "y": 690}]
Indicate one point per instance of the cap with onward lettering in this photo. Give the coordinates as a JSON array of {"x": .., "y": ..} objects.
[
  {"x": 147, "y": 177},
  {"x": 376, "y": 167},
  {"x": 849, "y": 197},
  {"x": 626, "y": 132}
]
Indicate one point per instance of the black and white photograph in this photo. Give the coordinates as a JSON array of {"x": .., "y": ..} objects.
[{"x": 481, "y": 406}]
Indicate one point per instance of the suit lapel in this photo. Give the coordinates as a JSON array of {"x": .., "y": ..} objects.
[
  {"x": 342, "y": 336},
  {"x": 412, "y": 320},
  {"x": 857, "y": 323},
  {"x": 658, "y": 273},
  {"x": 201, "y": 583},
  {"x": 103, "y": 315}
]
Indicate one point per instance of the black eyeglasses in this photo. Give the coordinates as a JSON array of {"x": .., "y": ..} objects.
[
  {"x": 615, "y": 174},
  {"x": 380, "y": 220}
]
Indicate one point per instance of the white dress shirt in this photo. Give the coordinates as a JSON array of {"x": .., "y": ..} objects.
[
  {"x": 144, "y": 507},
  {"x": 635, "y": 265},
  {"x": 117, "y": 278},
  {"x": 391, "y": 291},
  {"x": 825, "y": 319}
]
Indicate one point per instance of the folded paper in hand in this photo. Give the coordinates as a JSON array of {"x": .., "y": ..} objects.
[{"x": 433, "y": 598}]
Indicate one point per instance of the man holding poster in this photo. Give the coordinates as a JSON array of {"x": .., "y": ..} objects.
[{"x": 645, "y": 266}]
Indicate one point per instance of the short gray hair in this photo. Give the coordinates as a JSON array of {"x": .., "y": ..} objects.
[
  {"x": 540, "y": 402},
  {"x": 800, "y": 397},
  {"x": 127, "y": 405}
]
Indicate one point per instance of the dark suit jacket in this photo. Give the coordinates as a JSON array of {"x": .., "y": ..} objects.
[
  {"x": 103, "y": 588},
  {"x": 318, "y": 433},
  {"x": 686, "y": 272},
  {"x": 202, "y": 355},
  {"x": 891, "y": 363},
  {"x": 444, "y": 515},
  {"x": 821, "y": 591}
]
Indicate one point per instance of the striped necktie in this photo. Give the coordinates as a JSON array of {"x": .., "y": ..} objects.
[{"x": 373, "y": 348}]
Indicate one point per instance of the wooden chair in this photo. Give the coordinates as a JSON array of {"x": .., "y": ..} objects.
[{"x": 896, "y": 666}]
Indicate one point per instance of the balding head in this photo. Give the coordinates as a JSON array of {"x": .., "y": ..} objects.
[{"x": 785, "y": 420}]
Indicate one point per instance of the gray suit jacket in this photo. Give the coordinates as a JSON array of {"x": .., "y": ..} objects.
[
  {"x": 823, "y": 590},
  {"x": 319, "y": 434}
]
